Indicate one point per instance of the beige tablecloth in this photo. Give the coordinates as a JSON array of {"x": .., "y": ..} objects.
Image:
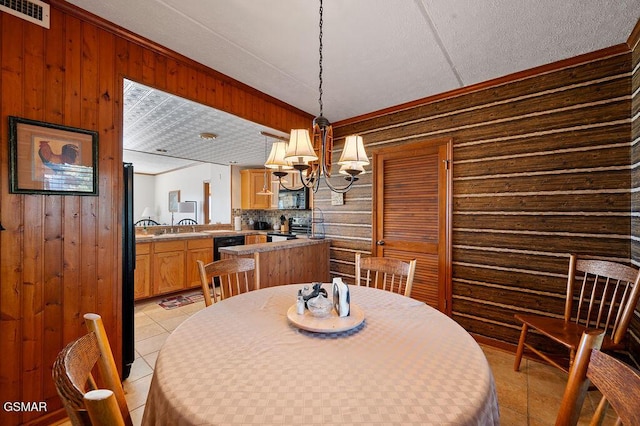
[{"x": 241, "y": 362}]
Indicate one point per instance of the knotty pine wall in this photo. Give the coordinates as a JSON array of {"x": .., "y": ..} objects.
[
  {"x": 60, "y": 255},
  {"x": 542, "y": 168}
]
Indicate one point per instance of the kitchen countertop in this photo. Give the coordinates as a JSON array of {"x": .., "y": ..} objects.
[
  {"x": 144, "y": 238},
  {"x": 262, "y": 247}
]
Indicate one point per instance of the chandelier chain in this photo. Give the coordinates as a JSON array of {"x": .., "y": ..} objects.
[
  {"x": 321, "y": 130},
  {"x": 320, "y": 61}
]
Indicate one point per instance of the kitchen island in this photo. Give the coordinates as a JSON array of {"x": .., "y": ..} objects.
[{"x": 286, "y": 262}]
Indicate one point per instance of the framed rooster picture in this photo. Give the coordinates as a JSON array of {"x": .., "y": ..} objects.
[{"x": 49, "y": 158}]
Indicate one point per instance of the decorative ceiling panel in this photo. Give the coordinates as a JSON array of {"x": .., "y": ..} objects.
[{"x": 161, "y": 131}]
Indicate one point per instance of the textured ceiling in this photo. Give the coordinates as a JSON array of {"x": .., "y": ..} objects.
[
  {"x": 161, "y": 133},
  {"x": 377, "y": 53}
]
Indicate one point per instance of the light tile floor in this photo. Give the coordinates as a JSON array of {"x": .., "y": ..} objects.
[{"x": 529, "y": 397}]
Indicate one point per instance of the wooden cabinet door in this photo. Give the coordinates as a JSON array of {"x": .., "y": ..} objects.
[
  {"x": 169, "y": 266},
  {"x": 295, "y": 181},
  {"x": 200, "y": 249},
  {"x": 252, "y": 181},
  {"x": 142, "y": 273},
  {"x": 255, "y": 239},
  {"x": 275, "y": 189}
]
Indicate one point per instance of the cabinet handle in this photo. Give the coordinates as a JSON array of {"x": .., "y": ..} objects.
[{"x": 380, "y": 242}]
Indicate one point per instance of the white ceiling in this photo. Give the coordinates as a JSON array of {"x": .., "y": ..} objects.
[
  {"x": 377, "y": 53},
  {"x": 162, "y": 133}
]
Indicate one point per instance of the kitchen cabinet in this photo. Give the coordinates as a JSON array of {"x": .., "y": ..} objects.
[
  {"x": 142, "y": 273},
  {"x": 255, "y": 239},
  {"x": 275, "y": 188},
  {"x": 252, "y": 181},
  {"x": 197, "y": 249},
  {"x": 294, "y": 179},
  {"x": 169, "y": 266}
]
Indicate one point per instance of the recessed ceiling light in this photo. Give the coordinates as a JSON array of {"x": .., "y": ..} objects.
[{"x": 208, "y": 136}]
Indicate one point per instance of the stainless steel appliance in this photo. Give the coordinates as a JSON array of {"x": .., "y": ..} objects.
[
  {"x": 279, "y": 236},
  {"x": 293, "y": 199},
  {"x": 300, "y": 225}
]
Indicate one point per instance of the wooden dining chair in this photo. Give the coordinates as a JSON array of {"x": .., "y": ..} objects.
[
  {"x": 386, "y": 273},
  {"x": 618, "y": 383},
  {"x": 146, "y": 222},
  {"x": 84, "y": 402},
  {"x": 232, "y": 275},
  {"x": 600, "y": 294}
]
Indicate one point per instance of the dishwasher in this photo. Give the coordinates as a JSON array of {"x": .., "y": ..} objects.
[{"x": 234, "y": 240}]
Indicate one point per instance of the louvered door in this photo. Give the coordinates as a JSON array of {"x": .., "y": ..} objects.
[{"x": 412, "y": 214}]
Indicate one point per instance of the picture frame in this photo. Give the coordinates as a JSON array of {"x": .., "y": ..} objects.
[
  {"x": 174, "y": 200},
  {"x": 52, "y": 159}
]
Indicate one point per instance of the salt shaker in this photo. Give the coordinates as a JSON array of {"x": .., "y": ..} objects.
[{"x": 300, "y": 303}]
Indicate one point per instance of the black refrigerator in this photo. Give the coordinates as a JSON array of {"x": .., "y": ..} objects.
[{"x": 128, "y": 267}]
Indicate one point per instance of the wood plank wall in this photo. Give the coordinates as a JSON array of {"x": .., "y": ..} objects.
[
  {"x": 541, "y": 170},
  {"x": 60, "y": 255},
  {"x": 634, "y": 43}
]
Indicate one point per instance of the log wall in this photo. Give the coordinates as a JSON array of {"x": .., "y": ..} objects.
[
  {"x": 542, "y": 168},
  {"x": 634, "y": 43},
  {"x": 60, "y": 255}
]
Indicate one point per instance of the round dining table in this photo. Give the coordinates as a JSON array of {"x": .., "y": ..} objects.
[{"x": 242, "y": 361}]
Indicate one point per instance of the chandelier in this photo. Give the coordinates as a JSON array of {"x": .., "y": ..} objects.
[{"x": 315, "y": 158}]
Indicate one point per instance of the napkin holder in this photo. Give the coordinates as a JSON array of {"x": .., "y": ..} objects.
[{"x": 341, "y": 298}]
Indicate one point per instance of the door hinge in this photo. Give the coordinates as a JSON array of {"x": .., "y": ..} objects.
[{"x": 446, "y": 164}]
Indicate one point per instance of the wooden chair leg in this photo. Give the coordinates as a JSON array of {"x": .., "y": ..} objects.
[{"x": 520, "y": 350}]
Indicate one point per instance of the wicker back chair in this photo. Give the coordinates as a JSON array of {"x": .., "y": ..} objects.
[{"x": 84, "y": 402}]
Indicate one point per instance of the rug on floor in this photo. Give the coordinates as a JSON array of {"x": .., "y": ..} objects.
[{"x": 181, "y": 300}]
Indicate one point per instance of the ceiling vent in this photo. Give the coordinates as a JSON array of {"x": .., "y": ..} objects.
[{"x": 33, "y": 10}]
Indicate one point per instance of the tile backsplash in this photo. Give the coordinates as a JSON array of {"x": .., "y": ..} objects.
[{"x": 269, "y": 216}]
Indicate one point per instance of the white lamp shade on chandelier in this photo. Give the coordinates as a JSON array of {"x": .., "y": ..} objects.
[
  {"x": 300, "y": 150},
  {"x": 353, "y": 152},
  {"x": 276, "y": 158}
]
